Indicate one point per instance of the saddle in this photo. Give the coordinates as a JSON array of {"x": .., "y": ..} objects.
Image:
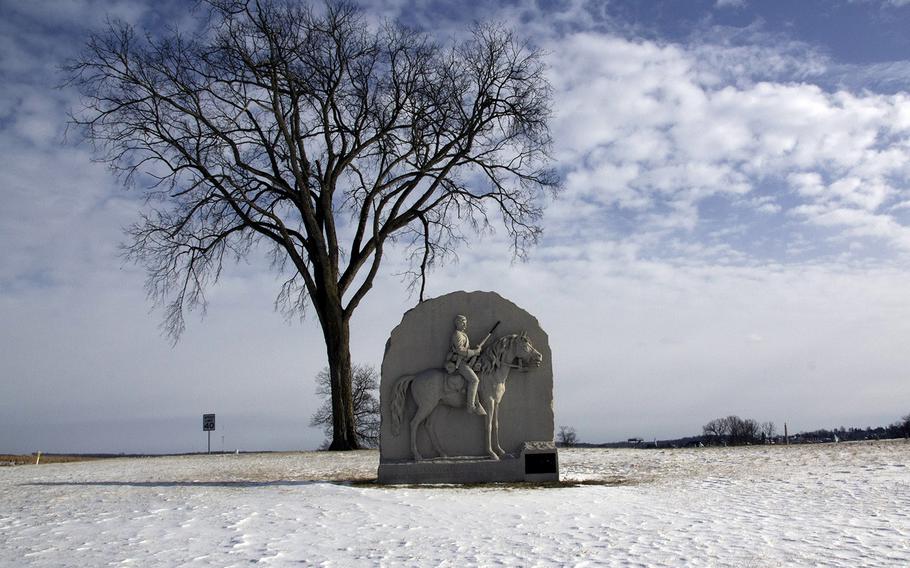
[{"x": 454, "y": 383}]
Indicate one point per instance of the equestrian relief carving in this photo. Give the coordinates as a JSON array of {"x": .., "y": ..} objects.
[{"x": 472, "y": 378}]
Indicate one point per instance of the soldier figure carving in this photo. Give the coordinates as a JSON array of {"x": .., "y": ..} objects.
[{"x": 461, "y": 355}]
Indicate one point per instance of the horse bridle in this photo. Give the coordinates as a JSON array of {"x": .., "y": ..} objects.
[{"x": 519, "y": 366}]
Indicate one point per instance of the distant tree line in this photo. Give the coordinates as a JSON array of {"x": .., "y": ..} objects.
[
  {"x": 899, "y": 429},
  {"x": 735, "y": 431}
]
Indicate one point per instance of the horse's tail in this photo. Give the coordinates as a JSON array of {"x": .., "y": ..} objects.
[{"x": 399, "y": 397}]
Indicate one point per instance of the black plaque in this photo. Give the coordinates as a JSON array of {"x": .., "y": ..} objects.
[
  {"x": 208, "y": 422},
  {"x": 540, "y": 463}
]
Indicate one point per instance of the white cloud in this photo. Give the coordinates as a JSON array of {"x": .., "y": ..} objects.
[
  {"x": 806, "y": 183},
  {"x": 766, "y": 204},
  {"x": 640, "y": 129},
  {"x": 857, "y": 223},
  {"x": 59, "y": 13}
]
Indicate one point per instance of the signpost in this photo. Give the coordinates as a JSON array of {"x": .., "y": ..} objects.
[{"x": 208, "y": 424}]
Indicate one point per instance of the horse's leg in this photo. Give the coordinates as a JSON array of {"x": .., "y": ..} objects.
[
  {"x": 489, "y": 404},
  {"x": 426, "y": 392},
  {"x": 422, "y": 412},
  {"x": 495, "y": 431},
  {"x": 430, "y": 427}
]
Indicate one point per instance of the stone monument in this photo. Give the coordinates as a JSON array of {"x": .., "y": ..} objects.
[{"x": 466, "y": 394}]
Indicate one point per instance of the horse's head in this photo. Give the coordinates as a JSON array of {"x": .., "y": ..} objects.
[
  {"x": 508, "y": 349},
  {"x": 524, "y": 351}
]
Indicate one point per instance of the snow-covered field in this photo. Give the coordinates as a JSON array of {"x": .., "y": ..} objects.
[{"x": 829, "y": 505}]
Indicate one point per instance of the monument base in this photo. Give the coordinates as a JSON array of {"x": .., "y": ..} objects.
[{"x": 536, "y": 462}]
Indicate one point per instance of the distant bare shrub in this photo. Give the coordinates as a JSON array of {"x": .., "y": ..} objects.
[
  {"x": 566, "y": 437},
  {"x": 903, "y": 426},
  {"x": 364, "y": 384}
]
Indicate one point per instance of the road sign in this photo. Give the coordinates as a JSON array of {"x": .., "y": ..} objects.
[{"x": 208, "y": 422}]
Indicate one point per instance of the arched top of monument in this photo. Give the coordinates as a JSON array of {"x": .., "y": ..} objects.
[{"x": 483, "y": 309}]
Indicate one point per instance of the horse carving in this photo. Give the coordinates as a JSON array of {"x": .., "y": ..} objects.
[{"x": 431, "y": 387}]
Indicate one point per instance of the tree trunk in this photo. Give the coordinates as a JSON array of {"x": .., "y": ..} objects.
[{"x": 336, "y": 330}]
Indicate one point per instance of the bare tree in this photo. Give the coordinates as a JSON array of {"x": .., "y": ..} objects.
[
  {"x": 364, "y": 388},
  {"x": 716, "y": 431},
  {"x": 902, "y": 426},
  {"x": 768, "y": 430},
  {"x": 322, "y": 138},
  {"x": 732, "y": 430},
  {"x": 743, "y": 430},
  {"x": 566, "y": 437}
]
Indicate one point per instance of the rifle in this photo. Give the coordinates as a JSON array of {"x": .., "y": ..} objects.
[{"x": 473, "y": 359}]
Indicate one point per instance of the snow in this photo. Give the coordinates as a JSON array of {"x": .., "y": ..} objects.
[{"x": 835, "y": 505}]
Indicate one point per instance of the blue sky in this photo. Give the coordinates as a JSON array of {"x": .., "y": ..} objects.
[{"x": 733, "y": 236}]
